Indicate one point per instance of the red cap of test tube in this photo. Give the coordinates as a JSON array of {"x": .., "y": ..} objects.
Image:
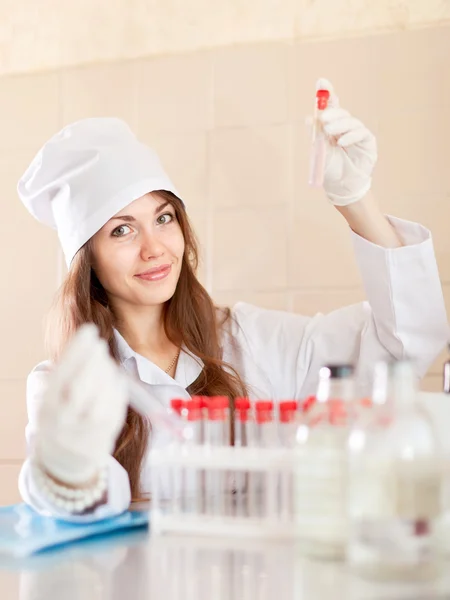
[
  {"x": 242, "y": 409},
  {"x": 264, "y": 411},
  {"x": 322, "y": 97},
  {"x": 217, "y": 407},
  {"x": 288, "y": 409},
  {"x": 193, "y": 407},
  {"x": 203, "y": 401},
  {"x": 176, "y": 404}
]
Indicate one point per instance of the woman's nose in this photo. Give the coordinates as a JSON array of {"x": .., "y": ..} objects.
[{"x": 151, "y": 247}]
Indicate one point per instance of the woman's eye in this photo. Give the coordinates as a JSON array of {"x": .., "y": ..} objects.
[
  {"x": 164, "y": 219},
  {"x": 121, "y": 231}
]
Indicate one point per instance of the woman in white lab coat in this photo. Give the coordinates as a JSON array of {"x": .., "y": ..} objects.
[{"x": 132, "y": 256}]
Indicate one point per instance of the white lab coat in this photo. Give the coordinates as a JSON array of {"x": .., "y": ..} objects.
[{"x": 278, "y": 354}]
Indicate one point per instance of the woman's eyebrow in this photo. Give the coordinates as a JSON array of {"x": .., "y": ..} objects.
[
  {"x": 130, "y": 218},
  {"x": 123, "y": 218},
  {"x": 161, "y": 207}
]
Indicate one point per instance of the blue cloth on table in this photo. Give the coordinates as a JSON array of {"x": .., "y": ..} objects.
[{"x": 24, "y": 532}]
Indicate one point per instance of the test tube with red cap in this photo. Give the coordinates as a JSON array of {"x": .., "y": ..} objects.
[
  {"x": 319, "y": 146},
  {"x": 262, "y": 486},
  {"x": 204, "y": 413},
  {"x": 265, "y": 428},
  {"x": 192, "y": 436},
  {"x": 242, "y": 438},
  {"x": 176, "y": 475},
  {"x": 216, "y": 434},
  {"x": 287, "y": 427},
  {"x": 217, "y": 424},
  {"x": 242, "y": 424}
]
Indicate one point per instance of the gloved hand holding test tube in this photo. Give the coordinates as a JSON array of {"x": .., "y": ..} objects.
[{"x": 343, "y": 151}]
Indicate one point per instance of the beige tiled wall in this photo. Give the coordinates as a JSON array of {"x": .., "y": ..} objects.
[
  {"x": 55, "y": 34},
  {"x": 229, "y": 125}
]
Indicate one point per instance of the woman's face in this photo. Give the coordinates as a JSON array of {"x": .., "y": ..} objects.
[{"x": 138, "y": 253}]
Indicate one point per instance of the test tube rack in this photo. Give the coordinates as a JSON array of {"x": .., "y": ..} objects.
[{"x": 238, "y": 491}]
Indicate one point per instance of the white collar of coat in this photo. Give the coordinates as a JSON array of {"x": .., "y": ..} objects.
[{"x": 189, "y": 366}]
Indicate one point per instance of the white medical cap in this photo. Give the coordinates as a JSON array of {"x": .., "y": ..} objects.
[{"x": 87, "y": 173}]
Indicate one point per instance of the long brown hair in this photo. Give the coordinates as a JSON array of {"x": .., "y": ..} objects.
[{"x": 190, "y": 317}]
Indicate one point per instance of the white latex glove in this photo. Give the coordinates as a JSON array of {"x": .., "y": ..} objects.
[
  {"x": 83, "y": 410},
  {"x": 351, "y": 153}
]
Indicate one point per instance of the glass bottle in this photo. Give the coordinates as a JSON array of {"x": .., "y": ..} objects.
[
  {"x": 321, "y": 466},
  {"x": 395, "y": 484}
]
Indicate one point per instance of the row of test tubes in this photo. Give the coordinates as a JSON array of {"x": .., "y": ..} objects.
[
  {"x": 235, "y": 461},
  {"x": 256, "y": 424}
]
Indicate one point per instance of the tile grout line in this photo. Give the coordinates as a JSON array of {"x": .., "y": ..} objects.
[
  {"x": 59, "y": 252},
  {"x": 292, "y": 178},
  {"x": 208, "y": 257}
]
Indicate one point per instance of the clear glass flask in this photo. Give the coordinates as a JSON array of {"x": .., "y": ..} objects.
[{"x": 395, "y": 484}]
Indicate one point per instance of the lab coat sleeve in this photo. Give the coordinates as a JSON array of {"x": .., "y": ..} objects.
[
  {"x": 404, "y": 317},
  {"x": 118, "y": 495}
]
